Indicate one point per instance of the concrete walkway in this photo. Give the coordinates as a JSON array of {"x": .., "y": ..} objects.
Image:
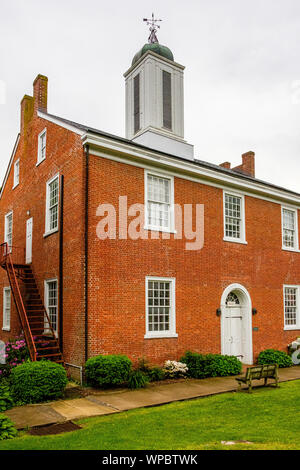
[{"x": 99, "y": 402}]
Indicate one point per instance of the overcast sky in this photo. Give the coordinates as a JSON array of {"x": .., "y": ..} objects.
[{"x": 242, "y": 77}]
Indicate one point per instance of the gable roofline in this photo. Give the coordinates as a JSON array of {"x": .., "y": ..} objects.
[
  {"x": 225, "y": 174},
  {"x": 10, "y": 164}
]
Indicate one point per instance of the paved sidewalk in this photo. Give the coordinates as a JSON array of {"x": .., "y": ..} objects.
[{"x": 113, "y": 401}]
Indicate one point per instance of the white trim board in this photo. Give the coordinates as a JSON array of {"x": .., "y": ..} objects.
[
  {"x": 187, "y": 171},
  {"x": 60, "y": 123},
  {"x": 10, "y": 163}
]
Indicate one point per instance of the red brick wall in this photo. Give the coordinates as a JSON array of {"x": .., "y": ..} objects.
[
  {"x": 118, "y": 270},
  {"x": 64, "y": 155}
]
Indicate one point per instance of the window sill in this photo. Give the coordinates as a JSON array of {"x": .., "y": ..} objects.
[
  {"x": 5, "y": 329},
  {"x": 15, "y": 186},
  {"x": 291, "y": 328},
  {"x": 234, "y": 240},
  {"x": 293, "y": 250},
  {"x": 160, "y": 336},
  {"x": 47, "y": 234},
  {"x": 41, "y": 161},
  {"x": 159, "y": 229}
]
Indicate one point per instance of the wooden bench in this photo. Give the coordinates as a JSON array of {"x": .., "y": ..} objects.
[{"x": 266, "y": 371}]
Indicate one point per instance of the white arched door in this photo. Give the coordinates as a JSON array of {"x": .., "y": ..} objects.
[{"x": 236, "y": 323}]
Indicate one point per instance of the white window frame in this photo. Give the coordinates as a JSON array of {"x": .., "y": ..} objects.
[
  {"x": 242, "y": 238},
  {"x": 46, "y": 297},
  {"x": 296, "y": 245},
  {"x": 172, "y": 329},
  {"x": 5, "y": 323},
  {"x": 297, "y": 326},
  {"x": 147, "y": 226},
  {"x": 47, "y": 213},
  {"x": 16, "y": 173},
  {"x": 9, "y": 242},
  {"x": 41, "y": 158}
]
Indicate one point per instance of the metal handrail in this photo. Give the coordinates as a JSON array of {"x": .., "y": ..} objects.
[
  {"x": 48, "y": 320},
  {"x": 7, "y": 259}
]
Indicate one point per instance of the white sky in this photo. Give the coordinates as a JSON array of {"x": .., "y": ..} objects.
[{"x": 242, "y": 77}]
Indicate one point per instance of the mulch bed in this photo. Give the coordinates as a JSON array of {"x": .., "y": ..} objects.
[{"x": 51, "y": 429}]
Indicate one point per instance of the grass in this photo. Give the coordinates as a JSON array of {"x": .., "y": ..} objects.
[{"x": 269, "y": 418}]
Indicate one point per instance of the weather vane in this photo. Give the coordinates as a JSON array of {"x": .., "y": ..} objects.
[{"x": 153, "y": 29}]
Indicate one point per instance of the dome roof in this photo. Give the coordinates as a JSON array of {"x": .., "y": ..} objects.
[{"x": 159, "y": 49}]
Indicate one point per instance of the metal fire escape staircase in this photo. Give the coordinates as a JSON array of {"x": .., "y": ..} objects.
[{"x": 40, "y": 337}]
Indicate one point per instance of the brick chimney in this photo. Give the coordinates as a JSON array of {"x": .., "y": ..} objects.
[
  {"x": 226, "y": 165},
  {"x": 40, "y": 93},
  {"x": 248, "y": 164},
  {"x": 27, "y": 109}
]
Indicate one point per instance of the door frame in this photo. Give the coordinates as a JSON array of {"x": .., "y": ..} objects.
[{"x": 246, "y": 304}]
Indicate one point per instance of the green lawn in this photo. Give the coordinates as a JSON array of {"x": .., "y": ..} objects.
[{"x": 270, "y": 418}]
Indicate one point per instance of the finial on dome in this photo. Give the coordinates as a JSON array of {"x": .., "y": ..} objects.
[{"x": 153, "y": 29}]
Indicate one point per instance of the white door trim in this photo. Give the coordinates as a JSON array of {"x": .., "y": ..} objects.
[{"x": 246, "y": 304}]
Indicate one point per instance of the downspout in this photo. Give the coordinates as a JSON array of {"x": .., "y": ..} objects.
[
  {"x": 61, "y": 262},
  {"x": 87, "y": 155}
]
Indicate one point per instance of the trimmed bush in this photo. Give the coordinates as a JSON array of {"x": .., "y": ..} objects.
[
  {"x": 272, "y": 356},
  {"x": 156, "y": 373},
  {"x": 7, "y": 429},
  {"x": 107, "y": 370},
  {"x": 201, "y": 366},
  {"x": 137, "y": 379},
  {"x": 6, "y": 400},
  {"x": 34, "y": 382}
]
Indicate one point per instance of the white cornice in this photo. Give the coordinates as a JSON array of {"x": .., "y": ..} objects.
[
  {"x": 145, "y": 158},
  {"x": 60, "y": 123}
]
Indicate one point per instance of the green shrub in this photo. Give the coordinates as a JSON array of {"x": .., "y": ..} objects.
[
  {"x": 7, "y": 429},
  {"x": 272, "y": 356},
  {"x": 34, "y": 382},
  {"x": 137, "y": 379},
  {"x": 107, "y": 370},
  {"x": 155, "y": 374},
  {"x": 201, "y": 366},
  {"x": 6, "y": 400}
]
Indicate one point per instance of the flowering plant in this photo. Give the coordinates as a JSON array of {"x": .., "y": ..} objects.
[
  {"x": 16, "y": 352},
  {"x": 174, "y": 369}
]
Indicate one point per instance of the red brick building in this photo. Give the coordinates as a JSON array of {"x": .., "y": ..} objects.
[{"x": 230, "y": 284}]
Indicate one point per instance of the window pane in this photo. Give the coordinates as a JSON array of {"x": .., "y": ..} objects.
[
  {"x": 288, "y": 228},
  {"x": 233, "y": 219},
  {"x": 6, "y": 308},
  {"x": 159, "y": 315},
  {"x": 52, "y": 304},
  {"x": 159, "y": 201},
  {"x": 53, "y": 196},
  {"x": 8, "y": 229},
  {"x": 290, "y": 306}
]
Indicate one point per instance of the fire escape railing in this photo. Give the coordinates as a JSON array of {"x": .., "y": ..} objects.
[{"x": 6, "y": 261}]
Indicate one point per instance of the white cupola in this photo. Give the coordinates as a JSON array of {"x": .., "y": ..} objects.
[{"x": 155, "y": 100}]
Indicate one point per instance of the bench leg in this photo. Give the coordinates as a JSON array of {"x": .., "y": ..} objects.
[
  {"x": 250, "y": 386},
  {"x": 239, "y": 387},
  {"x": 266, "y": 381}
]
